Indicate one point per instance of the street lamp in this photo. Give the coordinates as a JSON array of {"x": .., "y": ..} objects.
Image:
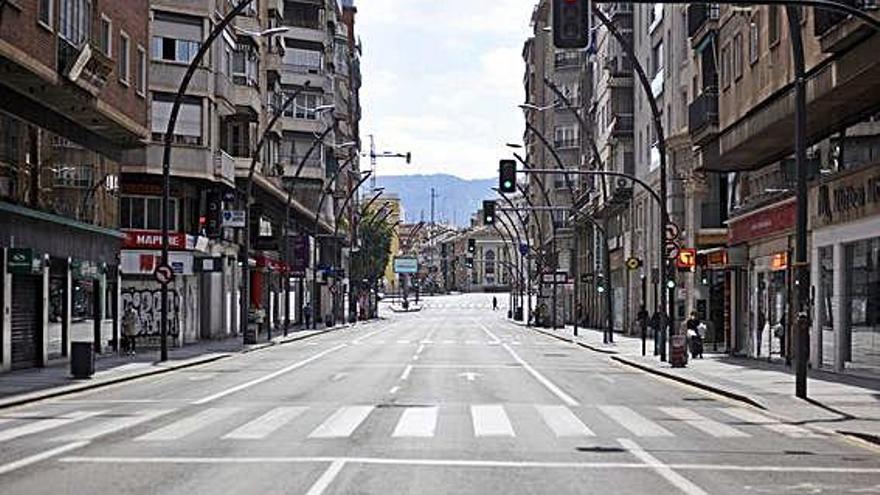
[
  {"x": 166, "y": 160},
  {"x": 260, "y": 34}
]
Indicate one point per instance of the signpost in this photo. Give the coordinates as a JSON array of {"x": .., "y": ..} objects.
[
  {"x": 234, "y": 218},
  {"x": 403, "y": 264},
  {"x": 633, "y": 264},
  {"x": 164, "y": 274}
]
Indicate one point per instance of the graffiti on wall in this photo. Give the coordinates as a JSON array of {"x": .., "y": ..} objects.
[{"x": 148, "y": 305}]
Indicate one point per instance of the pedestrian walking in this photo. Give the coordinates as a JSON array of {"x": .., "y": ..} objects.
[
  {"x": 307, "y": 315},
  {"x": 642, "y": 318},
  {"x": 129, "y": 330},
  {"x": 494, "y": 303},
  {"x": 694, "y": 338},
  {"x": 654, "y": 323}
]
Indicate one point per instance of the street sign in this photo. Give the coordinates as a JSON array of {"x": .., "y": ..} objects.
[
  {"x": 672, "y": 231},
  {"x": 687, "y": 258},
  {"x": 524, "y": 249},
  {"x": 20, "y": 260},
  {"x": 233, "y": 218},
  {"x": 672, "y": 249},
  {"x": 164, "y": 274},
  {"x": 405, "y": 265},
  {"x": 633, "y": 264}
]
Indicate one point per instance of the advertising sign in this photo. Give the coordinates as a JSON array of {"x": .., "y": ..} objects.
[
  {"x": 405, "y": 265},
  {"x": 20, "y": 260},
  {"x": 298, "y": 249}
]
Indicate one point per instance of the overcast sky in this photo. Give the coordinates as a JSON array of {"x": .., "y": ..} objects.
[{"x": 442, "y": 79}]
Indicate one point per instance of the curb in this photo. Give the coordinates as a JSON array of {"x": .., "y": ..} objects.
[
  {"x": 82, "y": 387},
  {"x": 693, "y": 383},
  {"x": 591, "y": 347}
]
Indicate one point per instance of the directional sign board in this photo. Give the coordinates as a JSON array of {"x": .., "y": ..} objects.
[
  {"x": 164, "y": 274},
  {"x": 406, "y": 265},
  {"x": 672, "y": 249},
  {"x": 233, "y": 218},
  {"x": 672, "y": 231}
]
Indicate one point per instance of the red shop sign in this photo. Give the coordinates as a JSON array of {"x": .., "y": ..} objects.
[
  {"x": 763, "y": 223},
  {"x": 148, "y": 239},
  {"x": 274, "y": 265}
]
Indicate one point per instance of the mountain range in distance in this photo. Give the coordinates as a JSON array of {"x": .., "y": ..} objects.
[{"x": 455, "y": 201}]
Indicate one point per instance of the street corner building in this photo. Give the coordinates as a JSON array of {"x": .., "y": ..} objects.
[{"x": 72, "y": 102}]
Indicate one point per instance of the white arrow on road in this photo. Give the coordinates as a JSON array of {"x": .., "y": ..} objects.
[{"x": 470, "y": 375}]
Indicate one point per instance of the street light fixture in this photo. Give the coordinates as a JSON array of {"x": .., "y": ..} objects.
[
  {"x": 536, "y": 108},
  {"x": 260, "y": 34}
]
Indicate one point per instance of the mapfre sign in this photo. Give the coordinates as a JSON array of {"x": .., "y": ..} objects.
[{"x": 139, "y": 239}]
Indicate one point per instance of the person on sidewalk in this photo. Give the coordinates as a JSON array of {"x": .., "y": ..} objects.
[
  {"x": 494, "y": 303},
  {"x": 129, "y": 330},
  {"x": 642, "y": 319},
  {"x": 307, "y": 315},
  {"x": 692, "y": 325}
]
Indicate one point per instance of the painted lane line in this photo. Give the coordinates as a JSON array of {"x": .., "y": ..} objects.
[
  {"x": 113, "y": 426},
  {"x": 270, "y": 376},
  {"x": 41, "y": 425},
  {"x": 266, "y": 424},
  {"x": 702, "y": 423},
  {"x": 394, "y": 389},
  {"x": 427, "y": 341},
  {"x": 419, "y": 422},
  {"x": 563, "y": 422},
  {"x": 420, "y": 349},
  {"x": 773, "y": 425},
  {"x": 564, "y": 397},
  {"x": 403, "y": 341},
  {"x": 685, "y": 485},
  {"x": 42, "y": 456},
  {"x": 635, "y": 422},
  {"x": 465, "y": 463},
  {"x": 495, "y": 339},
  {"x": 342, "y": 423},
  {"x": 491, "y": 421},
  {"x": 406, "y": 372},
  {"x": 415, "y": 357},
  {"x": 327, "y": 478},
  {"x": 360, "y": 339},
  {"x": 188, "y": 425}
]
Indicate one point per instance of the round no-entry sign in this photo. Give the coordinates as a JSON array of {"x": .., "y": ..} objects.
[{"x": 164, "y": 274}]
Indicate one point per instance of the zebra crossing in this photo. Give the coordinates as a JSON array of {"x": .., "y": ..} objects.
[{"x": 486, "y": 421}]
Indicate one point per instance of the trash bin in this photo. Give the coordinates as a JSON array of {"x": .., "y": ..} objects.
[
  {"x": 518, "y": 314},
  {"x": 678, "y": 353},
  {"x": 82, "y": 359}
]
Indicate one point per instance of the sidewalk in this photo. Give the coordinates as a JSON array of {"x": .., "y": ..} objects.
[
  {"x": 19, "y": 387},
  {"x": 845, "y": 404}
]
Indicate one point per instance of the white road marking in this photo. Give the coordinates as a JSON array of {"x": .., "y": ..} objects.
[
  {"x": 366, "y": 336},
  {"x": 563, "y": 422},
  {"x": 338, "y": 376},
  {"x": 264, "y": 425},
  {"x": 564, "y": 397},
  {"x": 40, "y": 425},
  {"x": 416, "y": 422},
  {"x": 604, "y": 378},
  {"x": 406, "y": 372},
  {"x": 403, "y": 341},
  {"x": 42, "y": 456},
  {"x": 466, "y": 463},
  {"x": 188, "y": 425},
  {"x": 754, "y": 418},
  {"x": 394, "y": 389},
  {"x": 426, "y": 341},
  {"x": 270, "y": 376},
  {"x": 113, "y": 426},
  {"x": 420, "y": 349},
  {"x": 415, "y": 357},
  {"x": 491, "y": 335},
  {"x": 329, "y": 475},
  {"x": 685, "y": 485},
  {"x": 491, "y": 421},
  {"x": 635, "y": 422},
  {"x": 449, "y": 341},
  {"x": 342, "y": 423},
  {"x": 702, "y": 423}
]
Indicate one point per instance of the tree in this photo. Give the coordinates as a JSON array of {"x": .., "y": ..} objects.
[{"x": 371, "y": 259}]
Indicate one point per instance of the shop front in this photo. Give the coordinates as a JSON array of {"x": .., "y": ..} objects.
[
  {"x": 760, "y": 280},
  {"x": 845, "y": 268}
]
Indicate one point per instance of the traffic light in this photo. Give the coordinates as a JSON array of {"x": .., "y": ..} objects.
[
  {"x": 469, "y": 262},
  {"x": 472, "y": 246},
  {"x": 507, "y": 176},
  {"x": 408, "y": 157},
  {"x": 489, "y": 212},
  {"x": 213, "y": 218},
  {"x": 571, "y": 23},
  {"x": 600, "y": 284}
]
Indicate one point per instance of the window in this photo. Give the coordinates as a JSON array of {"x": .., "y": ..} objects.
[
  {"x": 566, "y": 137},
  {"x": 657, "y": 58},
  {"x": 725, "y": 66},
  {"x": 773, "y": 25},
  {"x": 244, "y": 66},
  {"x": 174, "y": 50},
  {"x": 141, "y": 71},
  {"x": 754, "y": 37},
  {"x": 124, "y": 61},
  {"x": 145, "y": 213},
  {"x": 74, "y": 176},
  {"x": 44, "y": 16},
  {"x": 188, "y": 129},
  {"x": 737, "y": 56},
  {"x": 105, "y": 36},
  {"x": 303, "y": 61},
  {"x": 304, "y": 106},
  {"x": 74, "y": 19}
]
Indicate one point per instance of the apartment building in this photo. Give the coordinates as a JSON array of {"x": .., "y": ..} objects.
[{"x": 73, "y": 100}]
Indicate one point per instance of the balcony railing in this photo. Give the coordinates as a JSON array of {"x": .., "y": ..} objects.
[
  {"x": 565, "y": 143},
  {"x": 699, "y": 14},
  {"x": 622, "y": 123},
  {"x": 568, "y": 59},
  {"x": 703, "y": 112}
]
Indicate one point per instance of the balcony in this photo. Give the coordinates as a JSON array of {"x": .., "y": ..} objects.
[
  {"x": 291, "y": 124},
  {"x": 194, "y": 162},
  {"x": 838, "y": 32},
  {"x": 570, "y": 60},
  {"x": 166, "y": 77},
  {"x": 224, "y": 166},
  {"x": 622, "y": 125},
  {"x": 306, "y": 32},
  {"x": 246, "y": 99},
  {"x": 702, "y": 19},
  {"x": 703, "y": 117},
  {"x": 561, "y": 144}
]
